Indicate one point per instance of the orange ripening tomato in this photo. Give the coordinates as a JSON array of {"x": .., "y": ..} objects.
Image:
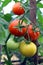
[
  {"x": 18, "y": 9},
  {"x": 15, "y": 31}
]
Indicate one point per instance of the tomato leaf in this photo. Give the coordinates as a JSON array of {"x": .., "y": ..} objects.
[
  {"x": 40, "y": 5},
  {"x": 3, "y": 31},
  {"x": 2, "y": 35},
  {"x": 41, "y": 39},
  {"x": 7, "y": 17},
  {"x": 0, "y": 8},
  {"x": 15, "y": 0},
  {"x": 3, "y": 22},
  {"x": 5, "y": 2}
]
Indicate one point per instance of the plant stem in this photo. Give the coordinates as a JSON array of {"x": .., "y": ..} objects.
[
  {"x": 6, "y": 50},
  {"x": 33, "y": 20},
  {"x": 7, "y": 38},
  {"x": 24, "y": 14},
  {"x": 36, "y": 58}
]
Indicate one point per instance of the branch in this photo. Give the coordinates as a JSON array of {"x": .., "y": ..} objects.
[
  {"x": 33, "y": 11},
  {"x": 37, "y": 43},
  {"x": 24, "y": 14},
  {"x": 33, "y": 20},
  {"x": 7, "y": 38}
]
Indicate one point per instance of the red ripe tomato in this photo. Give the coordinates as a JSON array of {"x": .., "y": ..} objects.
[
  {"x": 37, "y": 32},
  {"x": 15, "y": 31},
  {"x": 32, "y": 34},
  {"x": 18, "y": 9}
]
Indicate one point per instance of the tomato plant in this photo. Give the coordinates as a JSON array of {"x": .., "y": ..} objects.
[
  {"x": 15, "y": 31},
  {"x": 18, "y": 9},
  {"x": 28, "y": 50},
  {"x": 19, "y": 29}
]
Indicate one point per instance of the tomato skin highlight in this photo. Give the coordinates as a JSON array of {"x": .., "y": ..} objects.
[
  {"x": 18, "y": 9},
  {"x": 28, "y": 50},
  {"x": 16, "y": 31}
]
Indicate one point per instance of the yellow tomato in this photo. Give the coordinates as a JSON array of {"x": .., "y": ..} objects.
[{"x": 28, "y": 50}]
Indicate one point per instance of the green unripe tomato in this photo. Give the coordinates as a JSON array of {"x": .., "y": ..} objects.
[{"x": 11, "y": 44}]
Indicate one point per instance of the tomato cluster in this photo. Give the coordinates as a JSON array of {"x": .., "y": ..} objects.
[
  {"x": 31, "y": 33},
  {"x": 29, "y": 49},
  {"x": 19, "y": 28}
]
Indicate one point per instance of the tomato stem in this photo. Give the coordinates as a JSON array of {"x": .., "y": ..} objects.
[
  {"x": 6, "y": 50},
  {"x": 24, "y": 14}
]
